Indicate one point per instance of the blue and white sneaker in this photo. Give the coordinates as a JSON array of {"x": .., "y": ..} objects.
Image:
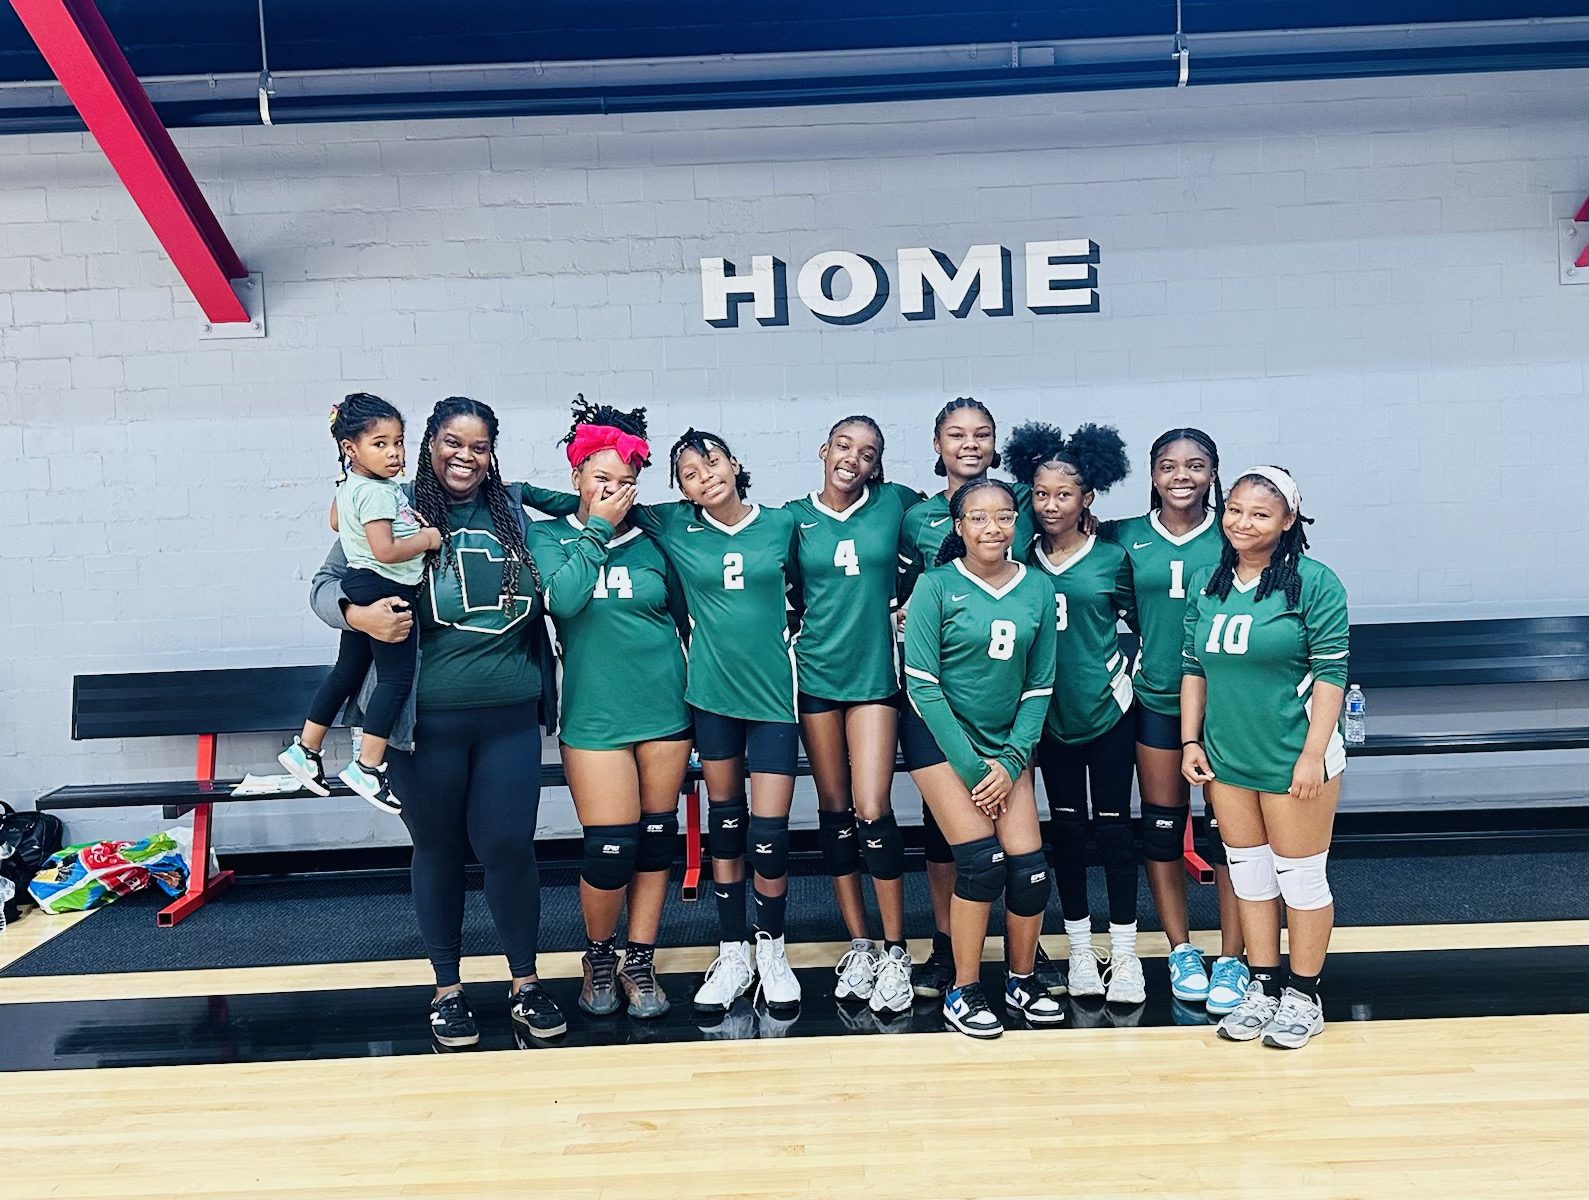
[
  {"x": 306, "y": 766},
  {"x": 1188, "y": 977},
  {"x": 370, "y": 782},
  {"x": 1227, "y": 984},
  {"x": 966, "y": 1009},
  {"x": 1023, "y": 994}
]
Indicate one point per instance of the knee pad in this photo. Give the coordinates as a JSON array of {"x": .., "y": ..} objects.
[
  {"x": 883, "y": 847},
  {"x": 725, "y": 827},
  {"x": 836, "y": 832},
  {"x": 935, "y": 847},
  {"x": 1214, "y": 852},
  {"x": 979, "y": 870},
  {"x": 1252, "y": 872},
  {"x": 1164, "y": 832},
  {"x": 1067, "y": 835},
  {"x": 609, "y": 858},
  {"x": 769, "y": 846},
  {"x": 659, "y": 838},
  {"x": 1115, "y": 847},
  {"x": 1303, "y": 882},
  {"x": 1026, "y": 884}
]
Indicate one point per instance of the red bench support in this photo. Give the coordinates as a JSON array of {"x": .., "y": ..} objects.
[
  {"x": 202, "y": 886},
  {"x": 690, "y": 889}
]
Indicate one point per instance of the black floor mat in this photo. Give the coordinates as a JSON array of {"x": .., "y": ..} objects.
[{"x": 287, "y": 921}]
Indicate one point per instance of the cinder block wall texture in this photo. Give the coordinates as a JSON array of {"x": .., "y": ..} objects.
[{"x": 1355, "y": 279}]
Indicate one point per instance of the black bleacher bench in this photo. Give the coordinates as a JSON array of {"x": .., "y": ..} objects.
[{"x": 274, "y": 699}]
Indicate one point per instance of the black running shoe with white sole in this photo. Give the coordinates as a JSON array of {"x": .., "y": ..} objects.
[
  {"x": 966, "y": 1009},
  {"x": 1023, "y": 995},
  {"x": 452, "y": 1021},
  {"x": 534, "y": 1009},
  {"x": 1050, "y": 975},
  {"x": 931, "y": 979}
]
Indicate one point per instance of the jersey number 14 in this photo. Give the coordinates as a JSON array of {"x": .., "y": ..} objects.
[{"x": 613, "y": 580}]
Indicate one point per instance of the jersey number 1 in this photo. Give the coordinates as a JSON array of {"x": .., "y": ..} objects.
[
  {"x": 734, "y": 571},
  {"x": 1177, "y": 583}
]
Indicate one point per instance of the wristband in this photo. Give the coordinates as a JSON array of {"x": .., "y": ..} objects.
[{"x": 1191, "y": 742}]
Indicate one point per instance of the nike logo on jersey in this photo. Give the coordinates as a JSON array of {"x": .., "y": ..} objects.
[
  {"x": 808, "y": 525},
  {"x": 938, "y": 522},
  {"x": 957, "y": 599},
  {"x": 1140, "y": 545},
  {"x": 565, "y": 541},
  {"x": 695, "y": 529}
]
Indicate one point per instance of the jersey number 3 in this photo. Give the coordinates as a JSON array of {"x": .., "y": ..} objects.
[
  {"x": 734, "y": 571},
  {"x": 1001, "y": 642},
  {"x": 1236, "y": 632}
]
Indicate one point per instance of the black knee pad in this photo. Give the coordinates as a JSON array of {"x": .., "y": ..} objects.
[
  {"x": 1026, "y": 884},
  {"x": 659, "y": 839},
  {"x": 979, "y": 870},
  {"x": 609, "y": 858},
  {"x": 1115, "y": 846},
  {"x": 1067, "y": 836},
  {"x": 935, "y": 847},
  {"x": 1214, "y": 849},
  {"x": 1163, "y": 832},
  {"x": 883, "y": 846},
  {"x": 769, "y": 846},
  {"x": 836, "y": 832},
  {"x": 725, "y": 827}
]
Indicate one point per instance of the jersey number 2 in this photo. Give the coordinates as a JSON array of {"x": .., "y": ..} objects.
[
  {"x": 844, "y": 556},
  {"x": 734, "y": 571},
  {"x": 1236, "y": 632},
  {"x": 1001, "y": 643},
  {"x": 613, "y": 579}
]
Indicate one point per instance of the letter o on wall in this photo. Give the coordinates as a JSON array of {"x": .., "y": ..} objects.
[{"x": 868, "y": 287}]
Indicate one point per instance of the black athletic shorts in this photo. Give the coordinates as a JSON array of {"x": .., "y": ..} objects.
[
  {"x": 807, "y": 703},
  {"x": 1158, "y": 730},
  {"x": 916, "y": 742},
  {"x": 768, "y": 747}
]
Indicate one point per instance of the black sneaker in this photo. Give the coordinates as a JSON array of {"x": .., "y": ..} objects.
[
  {"x": 931, "y": 979},
  {"x": 452, "y": 1021},
  {"x": 534, "y": 1009},
  {"x": 1050, "y": 975}
]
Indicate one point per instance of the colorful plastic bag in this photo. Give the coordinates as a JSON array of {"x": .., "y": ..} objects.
[{"x": 95, "y": 873}]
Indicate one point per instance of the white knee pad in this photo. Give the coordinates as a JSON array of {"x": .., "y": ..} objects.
[
  {"x": 1303, "y": 882},
  {"x": 1252, "y": 872}
]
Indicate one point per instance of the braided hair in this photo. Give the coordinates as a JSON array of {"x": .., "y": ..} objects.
[
  {"x": 862, "y": 419},
  {"x": 432, "y": 502},
  {"x": 1215, "y": 499},
  {"x": 1094, "y": 454},
  {"x": 704, "y": 443},
  {"x": 954, "y": 546},
  {"x": 586, "y": 413},
  {"x": 954, "y": 406},
  {"x": 1281, "y": 573},
  {"x": 357, "y": 412}
]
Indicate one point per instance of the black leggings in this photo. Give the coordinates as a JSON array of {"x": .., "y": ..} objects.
[
  {"x": 1107, "y": 761},
  {"x": 394, "y": 661},
  {"x": 474, "y": 779}
]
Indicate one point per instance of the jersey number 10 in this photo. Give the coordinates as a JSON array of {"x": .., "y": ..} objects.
[{"x": 1236, "y": 632}]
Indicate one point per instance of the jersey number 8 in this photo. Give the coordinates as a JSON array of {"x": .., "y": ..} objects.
[
  {"x": 1001, "y": 643},
  {"x": 844, "y": 556},
  {"x": 1236, "y": 632},
  {"x": 734, "y": 571},
  {"x": 617, "y": 580}
]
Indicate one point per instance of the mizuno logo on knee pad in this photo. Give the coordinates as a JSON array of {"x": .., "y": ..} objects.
[
  {"x": 847, "y": 831},
  {"x": 874, "y": 843},
  {"x": 763, "y": 847},
  {"x": 728, "y": 823}
]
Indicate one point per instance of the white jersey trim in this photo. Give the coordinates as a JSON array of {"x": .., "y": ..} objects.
[
  {"x": 1070, "y": 562},
  {"x": 1244, "y": 588},
  {"x": 846, "y": 514},
  {"x": 731, "y": 530},
  {"x": 1182, "y": 539},
  {"x": 915, "y": 673},
  {"x": 996, "y": 593},
  {"x": 621, "y": 540},
  {"x": 1036, "y": 692}
]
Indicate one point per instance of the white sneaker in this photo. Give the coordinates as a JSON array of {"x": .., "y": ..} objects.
[
  {"x": 1125, "y": 980},
  {"x": 1084, "y": 979},
  {"x": 370, "y": 782},
  {"x": 777, "y": 980},
  {"x": 1298, "y": 1019},
  {"x": 1252, "y": 1015},
  {"x": 857, "y": 972},
  {"x": 892, "y": 991},
  {"x": 728, "y": 978}
]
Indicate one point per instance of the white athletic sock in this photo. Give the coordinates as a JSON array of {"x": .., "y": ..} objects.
[
  {"x": 863, "y": 944},
  {"x": 1122, "y": 938},
  {"x": 1079, "y": 934}
]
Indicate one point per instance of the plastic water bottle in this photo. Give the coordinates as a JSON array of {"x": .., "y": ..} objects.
[{"x": 1354, "y": 724}]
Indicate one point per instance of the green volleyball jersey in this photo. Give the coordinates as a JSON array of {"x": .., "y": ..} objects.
[
  {"x": 475, "y": 653},
  {"x": 736, "y": 581},
  {"x": 849, "y": 583},
  {"x": 1162, "y": 566},
  {"x": 1092, "y": 680},
  {"x": 927, "y": 524},
  {"x": 617, "y": 608},
  {"x": 1261, "y": 659},
  {"x": 979, "y": 665}
]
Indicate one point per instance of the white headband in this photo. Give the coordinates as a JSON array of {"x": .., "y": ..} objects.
[{"x": 1284, "y": 484}]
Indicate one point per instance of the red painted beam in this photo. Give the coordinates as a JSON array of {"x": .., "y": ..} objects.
[{"x": 78, "y": 45}]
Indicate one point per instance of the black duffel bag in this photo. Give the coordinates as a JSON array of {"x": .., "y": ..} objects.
[{"x": 27, "y": 839}]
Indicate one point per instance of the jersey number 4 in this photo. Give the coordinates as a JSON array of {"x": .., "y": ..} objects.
[
  {"x": 734, "y": 571},
  {"x": 1001, "y": 640},
  {"x": 844, "y": 556},
  {"x": 612, "y": 580},
  {"x": 1236, "y": 631}
]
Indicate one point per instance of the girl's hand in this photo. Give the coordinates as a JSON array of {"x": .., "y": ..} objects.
[
  {"x": 1194, "y": 764},
  {"x": 431, "y": 536},
  {"x": 992, "y": 793},
  {"x": 1307, "y": 777},
  {"x": 614, "y": 508}
]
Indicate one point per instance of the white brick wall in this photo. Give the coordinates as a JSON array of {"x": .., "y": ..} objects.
[{"x": 1357, "y": 279}]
